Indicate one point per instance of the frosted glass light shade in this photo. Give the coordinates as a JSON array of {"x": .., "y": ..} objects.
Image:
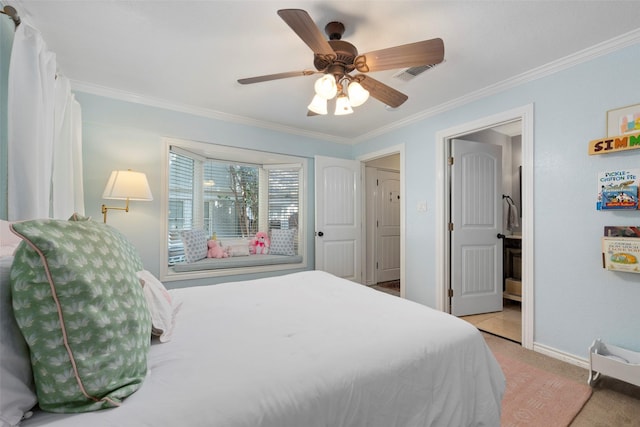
[
  {"x": 318, "y": 105},
  {"x": 343, "y": 106},
  {"x": 123, "y": 185},
  {"x": 357, "y": 94},
  {"x": 326, "y": 86}
]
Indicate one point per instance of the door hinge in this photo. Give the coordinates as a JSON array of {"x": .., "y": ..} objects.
[
  {"x": 450, "y": 226},
  {"x": 450, "y": 161},
  {"x": 450, "y": 293},
  {"x": 377, "y": 223},
  {"x": 377, "y": 183},
  {"x": 376, "y": 265}
]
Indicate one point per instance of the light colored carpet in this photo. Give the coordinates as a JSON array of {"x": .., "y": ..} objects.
[
  {"x": 535, "y": 397},
  {"x": 613, "y": 402},
  {"x": 391, "y": 287}
]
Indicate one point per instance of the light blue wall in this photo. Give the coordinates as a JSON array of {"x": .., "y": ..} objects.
[
  {"x": 6, "y": 41},
  {"x": 123, "y": 135},
  {"x": 576, "y": 300}
]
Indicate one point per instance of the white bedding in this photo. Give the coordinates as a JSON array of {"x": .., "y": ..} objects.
[{"x": 304, "y": 350}]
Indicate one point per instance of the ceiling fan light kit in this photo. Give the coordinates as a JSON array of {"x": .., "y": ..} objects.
[
  {"x": 318, "y": 105},
  {"x": 343, "y": 106},
  {"x": 337, "y": 59},
  {"x": 326, "y": 87},
  {"x": 357, "y": 94}
]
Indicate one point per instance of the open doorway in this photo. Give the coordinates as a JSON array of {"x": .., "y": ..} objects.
[
  {"x": 383, "y": 237},
  {"x": 504, "y": 316},
  {"x": 382, "y": 223},
  {"x": 445, "y": 271}
]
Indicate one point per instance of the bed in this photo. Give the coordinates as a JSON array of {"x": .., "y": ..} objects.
[{"x": 302, "y": 350}]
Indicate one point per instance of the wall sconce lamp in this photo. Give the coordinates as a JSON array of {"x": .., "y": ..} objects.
[{"x": 126, "y": 185}]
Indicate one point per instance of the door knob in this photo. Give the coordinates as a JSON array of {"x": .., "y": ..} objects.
[
  {"x": 320, "y": 233},
  {"x": 500, "y": 236}
]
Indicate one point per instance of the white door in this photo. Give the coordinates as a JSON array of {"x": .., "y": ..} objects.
[
  {"x": 388, "y": 226},
  {"x": 476, "y": 215},
  {"x": 338, "y": 217}
]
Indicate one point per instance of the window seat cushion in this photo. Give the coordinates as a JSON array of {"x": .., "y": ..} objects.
[{"x": 235, "y": 262}]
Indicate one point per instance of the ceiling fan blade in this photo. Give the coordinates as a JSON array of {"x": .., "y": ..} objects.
[
  {"x": 426, "y": 52},
  {"x": 381, "y": 91},
  {"x": 277, "y": 76},
  {"x": 300, "y": 22}
]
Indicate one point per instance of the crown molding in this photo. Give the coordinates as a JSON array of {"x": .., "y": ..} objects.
[
  {"x": 585, "y": 55},
  {"x": 136, "y": 98},
  {"x": 588, "y": 54}
]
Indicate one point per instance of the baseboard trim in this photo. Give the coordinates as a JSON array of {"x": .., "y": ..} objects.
[{"x": 560, "y": 355}]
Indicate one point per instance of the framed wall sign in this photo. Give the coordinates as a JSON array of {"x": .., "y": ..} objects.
[{"x": 623, "y": 121}]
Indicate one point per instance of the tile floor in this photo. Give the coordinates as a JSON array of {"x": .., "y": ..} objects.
[{"x": 506, "y": 323}]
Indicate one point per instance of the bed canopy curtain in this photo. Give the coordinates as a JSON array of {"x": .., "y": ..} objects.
[
  {"x": 44, "y": 134},
  {"x": 66, "y": 177}
]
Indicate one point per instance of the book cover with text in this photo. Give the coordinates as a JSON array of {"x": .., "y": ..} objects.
[
  {"x": 618, "y": 189},
  {"x": 621, "y": 254}
]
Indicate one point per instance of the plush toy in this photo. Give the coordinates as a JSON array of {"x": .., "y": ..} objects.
[
  {"x": 215, "y": 251},
  {"x": 260, "y": 244}
]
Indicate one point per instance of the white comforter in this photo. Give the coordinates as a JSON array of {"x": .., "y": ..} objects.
[{"x": 304, "y": 350}]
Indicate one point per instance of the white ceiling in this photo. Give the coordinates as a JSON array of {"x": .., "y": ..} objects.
[{"x": 187, "y": 54}]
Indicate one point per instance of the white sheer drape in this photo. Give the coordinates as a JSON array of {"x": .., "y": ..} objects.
[
  {"x": 32, "y": 71},
  {"x": 44, "y": 131},
  {"x": 66, "y": 180}
]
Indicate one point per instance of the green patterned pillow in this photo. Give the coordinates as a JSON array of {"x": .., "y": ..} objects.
[{"x": 82, "y": 311}]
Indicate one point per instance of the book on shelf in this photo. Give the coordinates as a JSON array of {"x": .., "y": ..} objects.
[
  {"x": 622, "y": 231},
  {"x": 618, "y": 189},
  {"x": 621, "y": 254}
]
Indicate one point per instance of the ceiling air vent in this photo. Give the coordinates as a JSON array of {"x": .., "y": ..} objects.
[{"x": 413, "y": 72}]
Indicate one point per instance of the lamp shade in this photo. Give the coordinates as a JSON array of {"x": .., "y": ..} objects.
[
  {"x": 123, "y": 185},
  {"x": 326, "y": 86},
  {"x": 342, "y": 105},
  {"x": 318, "y": 105},
  {"x": 357, "y": 94}
]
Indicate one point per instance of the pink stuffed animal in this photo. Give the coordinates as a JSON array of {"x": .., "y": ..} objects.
[
  {"x": 260, "y": 244},
  {"x": 215, "y": 251}
]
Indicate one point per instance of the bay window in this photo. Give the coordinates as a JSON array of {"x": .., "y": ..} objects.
[{"x": 231, "y": 194}]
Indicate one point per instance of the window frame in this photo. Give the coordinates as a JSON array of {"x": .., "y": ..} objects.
[{"x": 236, "y": 155}]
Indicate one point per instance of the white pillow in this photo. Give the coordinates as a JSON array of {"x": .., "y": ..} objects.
[
  {"x": 236, "y": 247},
  {"x": 195, "y": 245},
  {"x": 17, "y": 390},
  {"x": 282, "y": 242},
  {"x": 8, "y": 241},
  {"x": 160, "y": 303}
]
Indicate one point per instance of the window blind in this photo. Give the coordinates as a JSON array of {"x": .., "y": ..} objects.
[
  {"x": 227, "y": 198},
  {"x": 181, "y": 196},
  {"x": 284, "y": 197}
]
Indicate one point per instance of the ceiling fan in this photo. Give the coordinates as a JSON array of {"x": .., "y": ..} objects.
[{"x": 337, "y": 59}]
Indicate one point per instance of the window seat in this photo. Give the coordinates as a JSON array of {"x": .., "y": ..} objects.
[{"x": 234, "y": 262}]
